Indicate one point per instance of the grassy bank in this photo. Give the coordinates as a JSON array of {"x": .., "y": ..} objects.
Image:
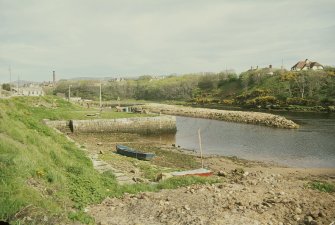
[{"x": 45, "y": 179}]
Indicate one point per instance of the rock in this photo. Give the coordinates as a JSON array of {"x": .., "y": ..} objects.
[
  {"x": 187, "y": 207},
  {"x": 138, "y": 179},
  {"x": 135, "y": 171},
  {"x": 298, "y": 211},
  {"x": 222, "y": 173},
  {"x": 246, "y": 173},
  {"x": 315, "y": 214},
  {"x": 99, "y": 143},
  {"x": 280, "y": 223},
  {"x": 101, "y": 152},
  {"x": 163, "y": 176},
  {"x": 309, "y": 218},
  {"x": 221, "y": 186},
  {"x": 296, "y": 217},
  {"x": 321, "y": 214},
  {"x": 313, "y": 222}
]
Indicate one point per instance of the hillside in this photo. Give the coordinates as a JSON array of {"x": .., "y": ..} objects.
[{"x": 45, "y": 178}]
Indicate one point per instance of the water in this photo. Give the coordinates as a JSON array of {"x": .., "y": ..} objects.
[{"x": 312, "y": 145}]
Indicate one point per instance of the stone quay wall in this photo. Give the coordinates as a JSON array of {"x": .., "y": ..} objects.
[
  {"x": 141, "y": 125},
  {"x": 258, "y": 118},
  {"x": 58, "y": 124}
]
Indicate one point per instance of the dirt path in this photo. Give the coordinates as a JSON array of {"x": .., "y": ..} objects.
[{"x": 249, "y": 193}]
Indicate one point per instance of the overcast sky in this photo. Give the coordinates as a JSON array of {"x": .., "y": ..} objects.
[{"x": 103, "y": 38}]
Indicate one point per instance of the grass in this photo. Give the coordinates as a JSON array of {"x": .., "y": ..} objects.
[
  {"x": 46, "y": 178},
  {"x": 322, "y": 186}
]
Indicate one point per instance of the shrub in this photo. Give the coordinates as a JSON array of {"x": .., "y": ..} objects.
[
  {"x": 300, "y": 101},
  {"x": 263, "y": 101},
  {"x": 227, "y": 102}
]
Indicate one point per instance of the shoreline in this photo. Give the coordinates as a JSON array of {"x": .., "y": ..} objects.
[{"x": 101, "y": 141}]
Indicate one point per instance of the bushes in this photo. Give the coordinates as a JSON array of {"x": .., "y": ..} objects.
[
  {"x": 262, "y": 101},
  {"x": 300, "y": 101}
]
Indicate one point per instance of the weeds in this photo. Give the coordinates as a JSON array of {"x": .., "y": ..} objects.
[{"x": 322, "y": 186}]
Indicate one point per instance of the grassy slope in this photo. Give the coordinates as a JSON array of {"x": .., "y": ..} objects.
[{"x": 44, "y": 178}]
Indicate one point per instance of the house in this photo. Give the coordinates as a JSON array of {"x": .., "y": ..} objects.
[
  {"x": 306, "y": 65},
  {"x": 30, "y": 90},
  {"x": 266, "y": 70}
]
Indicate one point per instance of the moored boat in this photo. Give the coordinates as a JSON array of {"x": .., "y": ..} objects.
[{"x": 127, "y": 151}]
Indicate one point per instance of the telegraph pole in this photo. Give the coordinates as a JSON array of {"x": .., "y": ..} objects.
[
  {"x": 69, "y": 92},
  {"x": 10, "y": 79},
  {"x": 18, "y": 84},
  {"x": 100, "y": 97}
]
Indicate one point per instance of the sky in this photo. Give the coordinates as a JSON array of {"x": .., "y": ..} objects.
[{"x": 127, "y": 38}]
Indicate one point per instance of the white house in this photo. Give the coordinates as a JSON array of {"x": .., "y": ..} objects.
[{"x": 306, "y": 65}]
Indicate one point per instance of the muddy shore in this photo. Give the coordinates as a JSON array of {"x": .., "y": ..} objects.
[{"x": 248, "y": 192}]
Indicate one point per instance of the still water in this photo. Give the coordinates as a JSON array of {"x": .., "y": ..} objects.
[{"x": 312, "y": 145}]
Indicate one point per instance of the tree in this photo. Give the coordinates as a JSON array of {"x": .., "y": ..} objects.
[
  {"x": 6, "y": 87},
  {"x": 206, "y": 83}
]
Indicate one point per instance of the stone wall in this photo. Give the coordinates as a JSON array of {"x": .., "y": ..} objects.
[
  {"x": 143, "y": 125},
  {"x": 265, "y": 119},
  {"x": 58, "y": 124}
]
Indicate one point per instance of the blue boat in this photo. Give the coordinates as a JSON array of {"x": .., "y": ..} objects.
[{"x": 127, "y": 151}]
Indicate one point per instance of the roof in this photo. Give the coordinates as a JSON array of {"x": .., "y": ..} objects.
[{"x": 305, "y": 63}]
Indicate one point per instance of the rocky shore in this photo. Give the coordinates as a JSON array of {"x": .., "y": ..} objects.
[
  {"x": 258, "y": 118},
  {"x": 247, "y": 192}
]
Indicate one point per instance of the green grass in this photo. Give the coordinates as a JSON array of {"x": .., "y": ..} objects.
[
  {"x": 45, "y": 175},
  {"x": 322, "y": 186}
]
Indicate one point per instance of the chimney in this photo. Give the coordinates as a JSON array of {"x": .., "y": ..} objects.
[
  {"x": 251, "y": 68},
  {"x": 270, "y": 66},
  {"x": 54, "y": 77},
  {"x": 257, "y": 68}
]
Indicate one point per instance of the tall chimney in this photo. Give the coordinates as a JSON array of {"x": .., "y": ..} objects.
[
  {"x": 270, "y": 66},
  {"x": 54, "y": 77}
]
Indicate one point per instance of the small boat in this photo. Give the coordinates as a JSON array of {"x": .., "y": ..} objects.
[
  {"x": 197, "y": 172},
  {"x": 127, "y": 151}
]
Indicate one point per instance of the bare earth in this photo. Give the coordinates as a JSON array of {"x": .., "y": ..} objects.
[{"x": 249, "y": 193}]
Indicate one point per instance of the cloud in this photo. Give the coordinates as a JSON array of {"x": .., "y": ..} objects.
[{"x": 127, "y": 38}]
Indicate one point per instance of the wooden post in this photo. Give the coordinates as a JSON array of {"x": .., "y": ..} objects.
[
  {"x": 100, "y": 98},
  {"x": 202, "y": 161}
]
